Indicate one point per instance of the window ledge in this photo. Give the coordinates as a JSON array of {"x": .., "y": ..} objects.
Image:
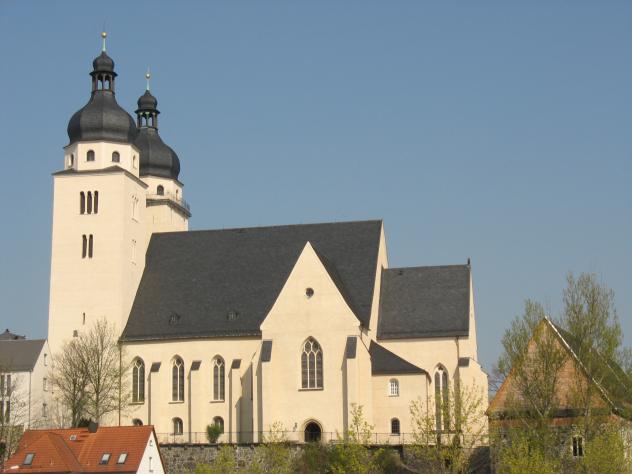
[
  {"x": 176, "y": 402},
  {"x": 319, "y": 389},
  {"x": 394, "y": 396},
  {"x": 137, "y": 403},
  {"x": 217, "y": 401}
]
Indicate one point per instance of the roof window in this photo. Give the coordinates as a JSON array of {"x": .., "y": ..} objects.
[
  {"x": 28, "y": 459},
  {"x": 122, "y": 458},
  {"x": 105, "y": 458}
]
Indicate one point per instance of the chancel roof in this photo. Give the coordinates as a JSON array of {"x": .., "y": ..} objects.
[
  {"x": 384, "y": 362},
  {"x": 421, "y": 302},
  {"x": 224, "y": 282}
]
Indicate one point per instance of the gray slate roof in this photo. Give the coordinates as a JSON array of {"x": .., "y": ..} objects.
[
  {"x": 421, "y": 302},
  {"x": 203, "y": 276},
  {"x": 384, "y": 362},
  {"x": 20, "y": 355},
  {"x": 9, "y": 336}
]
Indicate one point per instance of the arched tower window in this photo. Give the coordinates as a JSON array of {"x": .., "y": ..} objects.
[
  {"x": 138, "y": 381},
  {"x": 218, "y": 378},
  {"x": 89, "y": 205},
  {"x": 82, "y": 202},
  {"x": 90, "y": 245},
  {"x": 311, "y": 365},
  {"x": 84, "y": 246},
  {"x": 393, "y": 388},
  {"x": 160, "y": 190},
  {"x": 442, "y": 399},
  {"x": 96, "y": 202},
  {"x": 90, "y": 155},
  {"x": 116, "y": 157},
  {"x": 178, "y": 427},
  {"x": 177, "y": 380}
]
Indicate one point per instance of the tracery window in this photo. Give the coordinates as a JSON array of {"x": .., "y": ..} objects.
[
  {"x": 442, "y": 399},
  {"x": 312, "y": 365},
  {"x": 138, "y": 381},
  {"x": 218, "y": 378},
  {"x": 393, "y": 388},
  {"x": 177, "y": 380}
]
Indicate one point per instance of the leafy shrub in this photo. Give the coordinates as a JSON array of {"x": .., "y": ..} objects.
[{"x": 213, "y": 432}]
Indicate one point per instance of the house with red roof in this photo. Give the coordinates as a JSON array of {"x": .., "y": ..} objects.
[{"x": 121, "y": 449}]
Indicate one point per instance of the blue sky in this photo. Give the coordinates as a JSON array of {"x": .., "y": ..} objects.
[{"x": 499, "y": 131}]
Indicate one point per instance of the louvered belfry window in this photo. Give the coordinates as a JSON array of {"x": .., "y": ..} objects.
[{"x": 312, "y": 365}]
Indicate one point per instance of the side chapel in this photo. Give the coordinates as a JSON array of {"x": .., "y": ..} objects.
[{"x": 248, "y": 327}]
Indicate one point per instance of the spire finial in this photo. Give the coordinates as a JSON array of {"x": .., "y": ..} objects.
[
  {"x": 148, "y": 77},
  {"x": 104, "y": 35}
]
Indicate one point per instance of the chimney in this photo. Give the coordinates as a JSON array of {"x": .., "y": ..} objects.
[{"x": 93, "y": 427}]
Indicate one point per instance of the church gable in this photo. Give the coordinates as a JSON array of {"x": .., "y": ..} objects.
[
  {"x": 224, "y": 282},
  {"x": 313, "y": 298}
]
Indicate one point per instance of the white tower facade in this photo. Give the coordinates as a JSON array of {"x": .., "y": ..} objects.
[{"x": 106, "y": 205}]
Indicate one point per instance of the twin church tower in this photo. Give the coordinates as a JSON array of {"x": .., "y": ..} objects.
[{"x": 119, "y": 184}]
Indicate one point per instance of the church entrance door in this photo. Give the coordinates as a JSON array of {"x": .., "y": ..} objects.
[{"x": 312, "y": 432}]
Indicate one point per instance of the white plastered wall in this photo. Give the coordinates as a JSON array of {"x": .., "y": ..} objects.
[
  {"x": 198, "y": 408},
  {"x": 103, "y": 286},
  {"x": 151, "y": 461},
  {"x": 77, "y": 154}
]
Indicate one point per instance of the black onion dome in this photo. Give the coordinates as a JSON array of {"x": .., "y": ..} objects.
[
  {"x": 103, "y": 63},
  {"x": 147, "y": 102},
  {"x": 102, "y": 119},
  {"x": 156, "y": 157}
]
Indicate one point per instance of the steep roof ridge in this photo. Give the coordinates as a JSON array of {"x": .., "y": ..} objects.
[
  {"x": 331, "y": 269},
  {"x": 68, "y": 455},
  {"x": 556, "y": 330},
  {"x": 264, "y": 227},
  {"x": 624, "y": 385}
]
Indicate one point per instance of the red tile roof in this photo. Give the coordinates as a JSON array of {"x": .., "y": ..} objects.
[{"x": 78, "y": 450}]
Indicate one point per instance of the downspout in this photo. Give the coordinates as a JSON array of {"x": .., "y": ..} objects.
[
  {"x": 189, "y": 423},
  {"x": 149, "y": 397},
  {"x": 30, "y": 376},
  {"x": 120, "y": 382}
]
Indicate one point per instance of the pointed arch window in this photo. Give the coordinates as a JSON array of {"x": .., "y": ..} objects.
[
  {"x": 218, "y": 378},
  {"x": 311, "y": 365},
  {"x": 138, "y": 381},
  {"x": 177, "y": 380},
  {"x": 442, "y": 399}
]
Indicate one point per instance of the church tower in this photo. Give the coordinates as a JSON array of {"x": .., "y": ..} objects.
[
  {"x": 99, "y": 234},
  {"x": 159, "y": 168}
]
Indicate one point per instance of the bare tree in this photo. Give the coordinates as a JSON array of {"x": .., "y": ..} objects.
[
  {"x": 451, "y": 449},
  {"x": 90, "y": 373},
  {"x": 13, "y": 410}
]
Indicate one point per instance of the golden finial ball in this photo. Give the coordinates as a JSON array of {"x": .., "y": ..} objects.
[
  {"x": 104, "y": 34},
  {"x": 147, "y": 76}
]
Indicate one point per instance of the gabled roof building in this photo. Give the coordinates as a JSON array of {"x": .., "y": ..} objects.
[
  {"x": 246, "y": 327},
  {"x": 120, "y": 449}
]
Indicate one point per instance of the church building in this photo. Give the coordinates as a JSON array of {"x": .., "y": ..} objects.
[{"x": 285, "y": 326}]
